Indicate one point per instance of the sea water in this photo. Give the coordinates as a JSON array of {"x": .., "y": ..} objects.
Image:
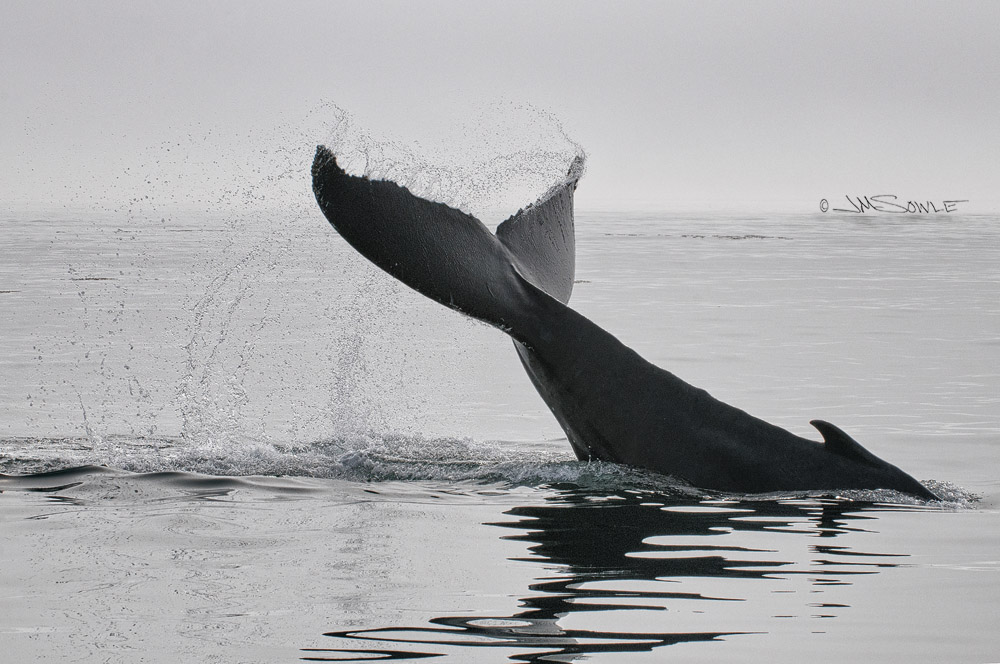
[{"x": 230, "y": 439}]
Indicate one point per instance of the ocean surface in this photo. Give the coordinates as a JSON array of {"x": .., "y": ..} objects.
[{"x": 227, "y": 438}]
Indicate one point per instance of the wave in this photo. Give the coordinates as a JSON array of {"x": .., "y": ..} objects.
[
  {"x": 358, "y": 458},
  {"x": 47, "y": 463}
]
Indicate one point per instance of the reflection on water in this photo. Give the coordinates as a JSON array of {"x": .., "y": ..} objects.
[{"x": 613, "y": 566}]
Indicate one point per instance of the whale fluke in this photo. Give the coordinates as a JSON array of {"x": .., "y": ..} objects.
[{"x": 613, "y": 405}]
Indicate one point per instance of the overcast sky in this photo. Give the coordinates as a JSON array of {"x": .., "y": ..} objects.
[{"x": 676, "y": 103}]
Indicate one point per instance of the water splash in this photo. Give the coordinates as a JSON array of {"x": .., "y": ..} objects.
[
  {"x": 213, "y": 303},
  {"x": 489, "y": 165},
  {"x": 386, "y": 458},
  {"x": 477, "y": 171}
]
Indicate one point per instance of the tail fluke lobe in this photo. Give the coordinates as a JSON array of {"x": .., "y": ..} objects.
[
  {"x": 441, "y": 252},
  {"x": 542, "y": 238}
]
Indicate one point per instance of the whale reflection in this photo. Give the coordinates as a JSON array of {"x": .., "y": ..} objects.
[{"x": 710, "y": 569}]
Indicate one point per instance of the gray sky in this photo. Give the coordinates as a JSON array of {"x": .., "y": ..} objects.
[{"x": 753, "y": 105}]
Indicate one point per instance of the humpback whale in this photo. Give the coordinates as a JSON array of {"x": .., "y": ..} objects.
[{"x": 613, "y": 405}]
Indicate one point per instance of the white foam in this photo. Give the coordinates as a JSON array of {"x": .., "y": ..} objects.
[{"x": 371, "y": 457}]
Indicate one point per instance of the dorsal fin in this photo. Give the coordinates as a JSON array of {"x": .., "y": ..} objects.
[
  {"x": 542, "y": 239},
  {"x": 838, "y": 442}
]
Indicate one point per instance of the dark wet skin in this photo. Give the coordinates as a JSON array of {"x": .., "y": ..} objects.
[{"x": 614, "y": 405}]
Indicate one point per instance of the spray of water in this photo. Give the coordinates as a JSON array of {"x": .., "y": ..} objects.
[
  {"x": 213, "y": 309},
  {"x": 489, "y": 164}
]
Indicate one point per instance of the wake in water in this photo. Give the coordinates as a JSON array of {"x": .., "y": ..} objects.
[
  {"x": 392, "y": 457},
  {"x": 32, "y": 462}
]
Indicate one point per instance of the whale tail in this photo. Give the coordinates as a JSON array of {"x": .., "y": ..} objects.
[
  {"x": 517, "y": 280},
  {"x": 451, "y": 256}
]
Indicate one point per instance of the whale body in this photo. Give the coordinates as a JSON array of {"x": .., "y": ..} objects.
[{"x": 613, "y": 405}]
